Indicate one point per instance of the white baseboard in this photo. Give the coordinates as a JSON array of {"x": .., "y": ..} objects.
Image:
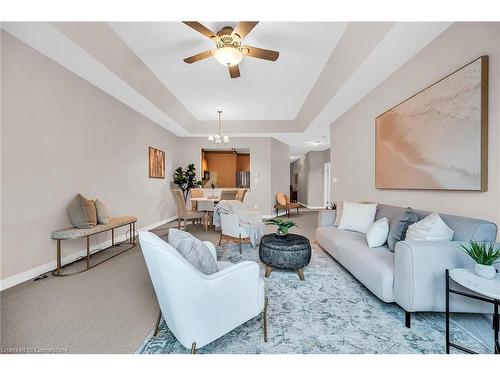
[
  {"x": 311, "y": 207},
  {"x": 47, "y": 267},
  {"x": 271, "y": 216}
]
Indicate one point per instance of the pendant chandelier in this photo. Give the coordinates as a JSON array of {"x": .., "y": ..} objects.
[{"x": 218, "y": 138}]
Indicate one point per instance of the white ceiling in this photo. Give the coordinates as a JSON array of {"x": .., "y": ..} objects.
[
  {"x": 204, "y": 87},
  {"x": 266, "y": 90}
]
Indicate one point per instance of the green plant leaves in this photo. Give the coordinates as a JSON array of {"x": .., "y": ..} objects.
[
  {"x": 485, "y": 253},
  {"x": 283, "y": 225}
]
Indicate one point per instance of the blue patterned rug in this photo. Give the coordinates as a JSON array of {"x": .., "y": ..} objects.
[{"x": 329, "y": 312}]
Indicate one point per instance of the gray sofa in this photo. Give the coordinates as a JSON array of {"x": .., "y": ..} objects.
[{"x": 412, "y": 276}]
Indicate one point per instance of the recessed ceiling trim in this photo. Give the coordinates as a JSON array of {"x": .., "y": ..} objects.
[{"x": 52, "y": 43}]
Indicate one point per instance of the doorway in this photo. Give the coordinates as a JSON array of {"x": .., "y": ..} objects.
[{"x": 326, "y": 184}]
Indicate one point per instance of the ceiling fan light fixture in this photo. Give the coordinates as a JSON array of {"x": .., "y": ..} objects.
[{"x": 228, "y": 56}]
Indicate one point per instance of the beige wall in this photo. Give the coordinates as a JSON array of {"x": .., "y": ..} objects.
[
  {"x": 352, "y": 135},
  {"x": 280, "y": 161},
  {"x": 62, "y": 136},
  {"x": 263, "y": 163},
  {"x": 310, "y": 175}
]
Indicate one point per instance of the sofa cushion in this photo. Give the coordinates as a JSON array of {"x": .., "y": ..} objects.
[
  {"x": 357, "y": 216},
  {"x": 430, "y": 228},
  {"x": 82, "y": 213},
  {"x": 372, "y": 267},
  {"x": 398, "y": 227}
]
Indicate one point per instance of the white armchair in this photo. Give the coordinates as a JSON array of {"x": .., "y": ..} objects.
[
  {"x": 231, "y": 230},
  {"x": 199, "y": 308}
]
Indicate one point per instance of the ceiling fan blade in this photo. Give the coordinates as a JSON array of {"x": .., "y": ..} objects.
[
  {"x": 244, "y": 27},
  {"x": 198, "y": 57},
  {"x": 260, "y": 53},
  {"x": 201, "y": 29},
  {"x": 234, "y": 71}
]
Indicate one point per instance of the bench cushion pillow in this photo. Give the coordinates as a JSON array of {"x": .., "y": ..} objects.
[
  {"x": 102, "y": 212},
  {"x": 82, "y": 213}
]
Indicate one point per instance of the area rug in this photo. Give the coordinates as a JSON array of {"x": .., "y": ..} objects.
[{"x": 330, "y": 312}]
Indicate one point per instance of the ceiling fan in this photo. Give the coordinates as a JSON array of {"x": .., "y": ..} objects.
[{"x": 228, "y": 48}]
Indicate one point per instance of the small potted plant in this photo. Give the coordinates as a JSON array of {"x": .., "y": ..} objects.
[
  {"x": 283, "y": 226},
  {"x": 485, "y": 255}
]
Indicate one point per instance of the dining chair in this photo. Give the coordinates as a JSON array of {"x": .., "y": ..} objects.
[
  {"x": 196, "y": 193},
  {"x": 184, "y": 214},
  {"x": 228, "y": 195},
  {"x": 240, "y": 194}
]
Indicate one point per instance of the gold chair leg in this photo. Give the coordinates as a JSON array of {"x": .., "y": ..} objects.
[
  {"x": 178, "y": 223},
  {"x": 300, "y": 271},
  {"x": 268, "y": 271},
  {"x": 220, "y": 238},
  {"x": 264, "y": 319},
  {"x": 157, "y": 326},
  {"x": 193, "y": 348}
]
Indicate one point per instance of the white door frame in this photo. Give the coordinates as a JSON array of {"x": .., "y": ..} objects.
[{"x": 326, "y": 183}]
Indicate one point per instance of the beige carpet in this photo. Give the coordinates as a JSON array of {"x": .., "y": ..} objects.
[{"x": 109, "y": 309}]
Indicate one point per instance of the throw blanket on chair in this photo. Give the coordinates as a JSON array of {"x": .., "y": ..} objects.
[{"x": 250, "y": 221}]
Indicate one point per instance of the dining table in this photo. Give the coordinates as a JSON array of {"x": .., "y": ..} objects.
[{"x": 206, "y": 204}]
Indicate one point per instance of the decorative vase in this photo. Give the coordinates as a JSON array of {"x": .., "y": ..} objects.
[
  {"x": 279, "y": 233},
  {"x": 486, "y": 272}
]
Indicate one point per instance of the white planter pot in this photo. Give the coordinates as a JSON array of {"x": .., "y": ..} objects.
[{"x": 486, "y": 272}]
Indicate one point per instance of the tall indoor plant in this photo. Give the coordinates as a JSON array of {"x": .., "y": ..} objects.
[
  {"x": 485, "y": 255},
  {"x": 186, "y": 179}
]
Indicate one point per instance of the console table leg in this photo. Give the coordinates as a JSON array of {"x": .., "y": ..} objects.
[
  {"x": 59, "y": 256},
  {"x": 88, "y": 252}
]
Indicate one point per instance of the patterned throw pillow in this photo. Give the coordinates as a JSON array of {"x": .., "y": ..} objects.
[
  {"x": 102, "y": 212},
  {"x": 399, "y": 226},
  {"x": 82, "y": 213},
  {"x": 193, "y": 250}
]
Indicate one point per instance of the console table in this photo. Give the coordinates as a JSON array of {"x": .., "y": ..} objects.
[{"x": 488, "y": 290}]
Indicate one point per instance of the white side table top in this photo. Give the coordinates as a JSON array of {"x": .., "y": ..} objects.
[{"x": 467, "y": 278}]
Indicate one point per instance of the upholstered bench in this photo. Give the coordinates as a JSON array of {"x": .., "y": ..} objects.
[{"x": 75, "y": 233}]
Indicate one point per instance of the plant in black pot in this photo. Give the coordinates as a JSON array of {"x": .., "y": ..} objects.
[
  {"x": 283, "y": 226},
  {"x": 485, "y": 254},
  {"x": 186, "y": 179}
]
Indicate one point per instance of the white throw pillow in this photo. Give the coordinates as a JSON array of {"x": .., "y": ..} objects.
[
  {"x": 430, "y": 228},
  {"x": 377, "y": 233},
  {"x": 357, "y": 216}
]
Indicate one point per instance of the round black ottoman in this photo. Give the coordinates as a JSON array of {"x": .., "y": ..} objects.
[{"x": 292, "y": 252}]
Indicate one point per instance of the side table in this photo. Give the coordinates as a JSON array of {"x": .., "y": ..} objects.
[{"x": 489, "y": 291}]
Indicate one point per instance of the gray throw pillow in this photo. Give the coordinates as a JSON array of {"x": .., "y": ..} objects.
[
  {"x": 102, "y": 212},
  {"x": 193, "y": 250},
  {"x": 399, "y": 226},
  {"x": 175, "y": 236},
  {"x": 82, "y": 213}
]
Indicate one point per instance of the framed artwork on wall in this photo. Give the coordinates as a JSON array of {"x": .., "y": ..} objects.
[
  {"x": 156, "y": 163},
  {"x": 438, "y": 138}
]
